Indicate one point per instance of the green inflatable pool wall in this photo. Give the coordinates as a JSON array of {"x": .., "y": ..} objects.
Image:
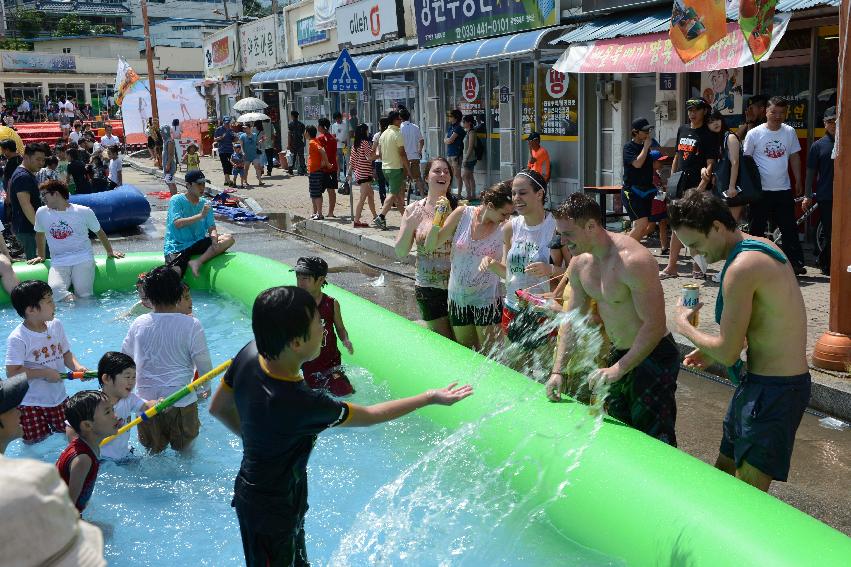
[{"x": 630, "y": 497}]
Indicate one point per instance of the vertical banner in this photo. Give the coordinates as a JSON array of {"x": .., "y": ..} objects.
[
  {"x": 125, "y": 78},
  {"x": 696, "y": 25},
  {"x": 756, "y": 19}
]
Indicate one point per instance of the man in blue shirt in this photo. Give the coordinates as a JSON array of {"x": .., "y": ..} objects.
[
  {"x": 190, "y": 229},
  {"x": 224, "y": 138},
  {"x": 820, "y": 174},
  {"x": 454, "y": 141}
]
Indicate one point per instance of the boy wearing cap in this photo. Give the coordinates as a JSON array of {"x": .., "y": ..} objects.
[
  {"x": 39, "y": 348},
  {"x": 638, "y": 189},
  {"x": 820, "y": 177},
  {"x": 190, "y": 228},
  {"x": 539, "y": 157},
  {"x": 12, "y": 392},
  {"x": 324, "y": 372}
]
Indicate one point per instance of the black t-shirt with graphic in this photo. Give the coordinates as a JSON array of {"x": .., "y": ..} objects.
[
  {"x": 694, "y": 147},
  {"x": 280, "y": 420}
]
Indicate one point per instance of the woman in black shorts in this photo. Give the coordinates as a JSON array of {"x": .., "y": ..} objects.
[
  {"x": 432, "y": 270},
  {"x": 360, "y": 163}
]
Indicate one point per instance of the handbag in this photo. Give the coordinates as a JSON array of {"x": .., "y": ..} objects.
[
  {"x": 345, "y": 188},
  {"x": 748, "y": 181}
]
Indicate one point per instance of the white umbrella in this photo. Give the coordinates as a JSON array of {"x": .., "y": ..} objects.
[
  {"x": 249, "y": 104},
  {"x": 252, "y": 117}
]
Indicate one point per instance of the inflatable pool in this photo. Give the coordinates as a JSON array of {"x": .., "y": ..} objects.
[
  {"x": 631, "y": 497},
  {"x": 118, "y": 209}
]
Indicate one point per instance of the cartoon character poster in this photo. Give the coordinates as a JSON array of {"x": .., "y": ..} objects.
[
  {"x": 722, "y": 89},
  {"x": 696, "y": 25},
  {"x": 756, "y": 19}
]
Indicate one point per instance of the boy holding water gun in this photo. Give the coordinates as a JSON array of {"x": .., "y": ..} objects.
[
  {"x": 264, "y": 400},
  {"x": 117, "y": 377},
  {"x": 39, "y": 348}
]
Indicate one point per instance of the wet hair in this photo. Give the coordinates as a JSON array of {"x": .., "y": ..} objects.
[
  {"x": 778, "y": 101},
  {"x": 469, "y": 119},
  {"x": 698, "y": 210},
  {"x": 311, "y": 131},
  {"x": 279, "y": 316},
  {"x": 9, "y": 145},
  {"x": 536, "y": 179},
  {"x": 383, "y": 123},
  {"x": 453, "y": 199},
  {"x": 456, "y": 114},
  {"x": 55, "y": 186},
  {"x": 52, "y": 160},
  {"x": 29, "y": 294},
  {"x": 324, "y": 122},
  {"x": 393, "y": 116},
  {"x": 405, "y": 114},
  {"x": 337, "y": 115},
  {"x": 112, "y": 364},
  {"x": 37, "y": 147},
  {"x": 580, "y": 208},
  {"x": 361, "y": 134},
  {"x": 162, "y": 286},
  {"x": 498, "y": 195},
  {"x": 82, "y": 406}
]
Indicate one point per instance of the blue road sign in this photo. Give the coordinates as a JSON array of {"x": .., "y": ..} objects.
[{"x": 344, "y": 75}]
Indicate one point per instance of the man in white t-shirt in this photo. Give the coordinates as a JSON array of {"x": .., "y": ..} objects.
[
  {"x": 66, "y": 226},
  {"x": 414, "y": 141},
  {"x": 774, "y": 146},
  {"x": 341, "y": 130},
  {"x": 109, "y": 140},
  {"x": 168, "y": 346},
  {"x": 76, "y": 134},
  {"x": 115, "y": 165},
  {"x": 69, "y": 109}
]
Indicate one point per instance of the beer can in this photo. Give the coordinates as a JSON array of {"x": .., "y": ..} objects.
[{"x": 691, "y": 297}]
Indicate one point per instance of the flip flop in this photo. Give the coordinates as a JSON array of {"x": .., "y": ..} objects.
[{"x": 663, "y": 275}]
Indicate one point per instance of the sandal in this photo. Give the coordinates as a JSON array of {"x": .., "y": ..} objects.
[
  {"x": 698, "y": 275},
  {"x": 663, "y": 275}
]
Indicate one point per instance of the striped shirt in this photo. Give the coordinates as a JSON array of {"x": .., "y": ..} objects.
[{"x": 361, "y": 162}]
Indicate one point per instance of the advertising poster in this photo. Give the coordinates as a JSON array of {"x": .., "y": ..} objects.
[
  {"x": 449, "y": 21},
  {"x": 219, "y": 50},
  {"x": 257, "y": 45},
  {"x": 175, "y": 99},
  {"x": 722, "y": 89},
  {"x": 28, "y": 61},
  {"x": 756, "y": 18},
  {"x": 696, "y": 25},
  {"x": 367, "y": 21}
]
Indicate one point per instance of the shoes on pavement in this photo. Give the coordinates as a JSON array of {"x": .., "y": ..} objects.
[
  {"x": 800, "y": 270},
  {"x": 379, "y": 222}
]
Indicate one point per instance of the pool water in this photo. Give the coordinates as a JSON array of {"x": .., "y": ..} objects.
[{"x": 402, "y": 493}]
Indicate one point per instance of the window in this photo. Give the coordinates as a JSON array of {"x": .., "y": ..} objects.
[{"x": 66, "y": 50}]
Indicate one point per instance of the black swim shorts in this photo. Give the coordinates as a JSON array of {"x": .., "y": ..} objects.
[
  {"x": 762, "y": 419},
  {"x": 316, "y": 184},
  {"x": 637, "y": 201},
  {"x": 645, "y": 397},
  {"x": 181, "y": 259},
  {"x": 433, "y": 302}
]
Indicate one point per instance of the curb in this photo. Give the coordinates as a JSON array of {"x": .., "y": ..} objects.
[{"x": 831, "y": 393}]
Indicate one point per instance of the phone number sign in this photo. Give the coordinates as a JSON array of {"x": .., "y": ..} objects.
[{"x": 449, "y": 21}]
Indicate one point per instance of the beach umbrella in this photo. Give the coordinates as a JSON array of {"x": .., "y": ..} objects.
[
  {"x": 250, "y": 104},
  {"x": 7, "y": 133},
  {"x": 252, "y": 117}
]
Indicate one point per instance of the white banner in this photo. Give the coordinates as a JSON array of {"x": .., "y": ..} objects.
[
  {"x": 219, "y": 49},
  {"x": 367, "y": 21},
  {"x": 175, "y": 99},
  {"x": 258, "y": 48},
  {"x": 281, "y": 57},
  {"x": 323, "y": 16}
]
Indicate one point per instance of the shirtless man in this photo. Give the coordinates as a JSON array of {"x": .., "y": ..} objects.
[
  {"x": 759, "y": 302},
  {"x": 622, "y": 276}
]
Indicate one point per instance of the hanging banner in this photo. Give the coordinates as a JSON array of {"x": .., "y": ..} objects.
[
  {"x": 29, "y": 61},
  {"x": 175, "y": 99},
  {"x": 696, "y": 25},
  {"x": 654, "y": 53},
  {"x": 756, "y": 19},
  {"x": 325, "y": 13},
  {"x": 125, "y": 78}
]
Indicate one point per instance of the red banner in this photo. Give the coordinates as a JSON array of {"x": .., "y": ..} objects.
[{"x": 696, "y": 25}]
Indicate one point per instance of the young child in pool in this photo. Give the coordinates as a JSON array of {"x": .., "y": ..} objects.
[
  {"x": 263, "y": 399},
  {"x": 89, "y": 413},
  {"x": 168, "y": 346},
  {"x": 325, "y": 372},
  {"x": 39, "y": 347},
  {"x": 117, "y": 377}
]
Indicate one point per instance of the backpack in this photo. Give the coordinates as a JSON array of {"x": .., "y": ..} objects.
[{"x": 478, "y": 147}]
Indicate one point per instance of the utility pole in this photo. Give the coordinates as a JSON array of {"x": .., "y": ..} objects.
[
  {"x": 152, "y": 80},
  {"x": 225, "y": 6},
  {"x": 833, "y": 349}
]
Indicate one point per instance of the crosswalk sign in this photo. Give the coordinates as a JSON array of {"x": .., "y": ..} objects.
[{"x": 344, "y": 75}]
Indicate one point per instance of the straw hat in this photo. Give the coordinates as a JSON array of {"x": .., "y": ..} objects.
[{"x": 39, "y": 524}]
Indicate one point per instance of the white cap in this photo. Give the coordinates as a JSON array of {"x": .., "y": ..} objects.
[{"x": 39, "y": 524}]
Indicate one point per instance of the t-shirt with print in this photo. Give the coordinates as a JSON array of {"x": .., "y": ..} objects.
[
  {"x": 771, "y": 150},
  {"x": 67, "y": 233},
  {"x": 119, "y": 448},
  {"x": 280, "y": 418},
  {"x": 178, "y": 239},
  {"x": 44, "y": 349},
  {"x": 455, "y": 148},
  {"x": 168, "y": 348},
  {"x": 819, "y": 158},
  {"x": 694, "y": 147}
]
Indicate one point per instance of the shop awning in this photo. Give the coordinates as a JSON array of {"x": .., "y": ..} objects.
[
  {"x": 311, "y": 71},
  {"x": 458, "y": 53}
]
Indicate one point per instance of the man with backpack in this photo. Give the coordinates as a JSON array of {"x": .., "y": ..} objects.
[{"x": 539, "y": 158}]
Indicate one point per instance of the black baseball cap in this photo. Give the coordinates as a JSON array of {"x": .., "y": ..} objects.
[
  {"x": 196, "y": 176},
  {"x": 642, "y": 125},
  {"x": 757, "y": 99},
  {"x": 696, "y": 103},
  {"x": 830, "y": 113},
  {"x": 311, "y": 266},
  {"x": 533, "y": 136},
  {"x": 12, "y": 391}
]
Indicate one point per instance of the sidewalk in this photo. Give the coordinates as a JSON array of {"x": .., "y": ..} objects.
[{"x": 285, "y": 195}]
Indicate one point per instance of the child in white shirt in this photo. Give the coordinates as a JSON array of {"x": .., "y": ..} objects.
[{"x": 117, "y": 377}]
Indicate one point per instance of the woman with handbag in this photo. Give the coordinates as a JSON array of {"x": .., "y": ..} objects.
[{"x": 725, "y": 178}]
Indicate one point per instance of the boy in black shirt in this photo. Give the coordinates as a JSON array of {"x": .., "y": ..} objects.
[
  {"x": 697, "y": 148},
  {"x": 265, "y": 401}
]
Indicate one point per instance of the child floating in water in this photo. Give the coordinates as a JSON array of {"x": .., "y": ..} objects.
[
  {"x": 117, "y": 377},
  {"x": 89, "y": 413},
  {"x": 263, "y": 399},
  {"x": 325, "y": 371}
]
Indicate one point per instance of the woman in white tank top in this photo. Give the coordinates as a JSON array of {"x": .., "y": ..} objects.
[
  {"x": 525, "y": 261},
  {"x": 475, "y": 294}
]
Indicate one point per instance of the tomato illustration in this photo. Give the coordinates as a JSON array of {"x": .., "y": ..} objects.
[{"x": 747, "y": 8}]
